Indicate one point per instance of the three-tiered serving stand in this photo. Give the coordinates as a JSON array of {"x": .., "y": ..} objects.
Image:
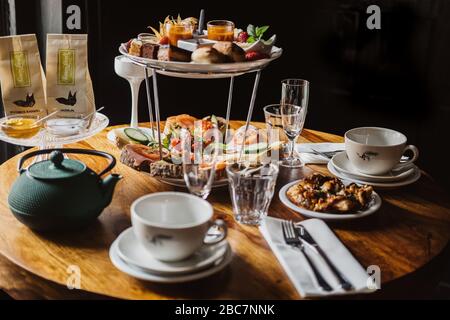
[{"x": 190, "y": 70}]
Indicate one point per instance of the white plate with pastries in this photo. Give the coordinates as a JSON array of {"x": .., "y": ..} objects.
[{"x": 372, "y": 207}]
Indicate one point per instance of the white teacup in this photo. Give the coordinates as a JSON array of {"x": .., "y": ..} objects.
[
  {"x": 376, "y": 151},
  {"x": 173, "y": 225}
]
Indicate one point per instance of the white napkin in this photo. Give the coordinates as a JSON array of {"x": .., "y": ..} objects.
[
  {"x": 310, "y": 158},
  {"x": 297, "y": 267}
]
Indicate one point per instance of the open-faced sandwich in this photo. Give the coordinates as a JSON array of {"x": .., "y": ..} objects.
[
  {"x": 328, "y": 194},
  {"x": 141, "y": 152}
]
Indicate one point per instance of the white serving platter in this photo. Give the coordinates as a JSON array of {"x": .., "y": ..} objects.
[{"x": 201, "y": 70}]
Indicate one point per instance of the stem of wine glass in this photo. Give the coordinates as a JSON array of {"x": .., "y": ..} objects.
[{"x": 291, "y": 148}]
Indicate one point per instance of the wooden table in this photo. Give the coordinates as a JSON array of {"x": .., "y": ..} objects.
[{"x": 411, "y": 228}]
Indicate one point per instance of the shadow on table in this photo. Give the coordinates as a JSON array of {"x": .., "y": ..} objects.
[
  {"x": 227, "y": 284},
  {"x": 97, "y": 235},
  {"x": 208, "y": 288}
]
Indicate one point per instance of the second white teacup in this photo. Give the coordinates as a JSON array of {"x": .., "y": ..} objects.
[
  {"x": 173, "y": 225},
  {"x": 376, "y": 151}
]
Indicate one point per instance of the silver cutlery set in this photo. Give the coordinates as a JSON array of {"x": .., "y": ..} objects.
[{"x": 297, "y": 236}]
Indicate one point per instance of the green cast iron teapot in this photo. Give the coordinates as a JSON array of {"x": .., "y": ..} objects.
[{"x": 61, "y": 194}]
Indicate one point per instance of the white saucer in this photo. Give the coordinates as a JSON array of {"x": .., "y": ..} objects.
[
  {"x": 132, "y": 252},
  {"x": 372, "y": 208},
  {"x": 380, "y": 185},
  {"x": 341, "y": 162},
  {"x": 142, "y": 274}
]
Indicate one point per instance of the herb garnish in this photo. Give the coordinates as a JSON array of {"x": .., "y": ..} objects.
[{"x": 255, "y": 33}]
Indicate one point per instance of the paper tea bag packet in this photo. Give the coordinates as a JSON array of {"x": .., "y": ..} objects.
[
  {"x": 69, "y": 85},
  {"x": 22, "y": 79}
]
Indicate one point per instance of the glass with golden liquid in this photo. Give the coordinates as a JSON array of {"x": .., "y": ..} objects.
[
  {"x": 21, "y": 127},
  {"x": 177, "y": 32},
  {"x": 221, "y": 30}
]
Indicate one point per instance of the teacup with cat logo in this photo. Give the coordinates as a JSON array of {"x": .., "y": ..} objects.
[
  {"x": 377, "y": 151},
  {"x": 174, "y": 225}
]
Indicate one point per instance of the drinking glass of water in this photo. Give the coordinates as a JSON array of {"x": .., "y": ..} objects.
[{"x": 251, "y": 190}]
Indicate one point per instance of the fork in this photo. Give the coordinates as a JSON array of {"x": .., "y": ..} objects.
[
  {"x": 326, "y": 154},
  {"x": 291, "y": 238}
]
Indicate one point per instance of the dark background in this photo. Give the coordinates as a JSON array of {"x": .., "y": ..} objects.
[{"x": 396, "y": 77}]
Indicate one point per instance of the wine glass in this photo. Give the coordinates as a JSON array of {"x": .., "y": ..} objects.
[
  {"x": 296, "y": 92},
  {"x": 199, "y": 167},
  {"x": 199, "y": 178},
  {"x": 293, "y": 119}
]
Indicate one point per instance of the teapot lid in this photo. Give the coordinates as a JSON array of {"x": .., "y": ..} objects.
[{"x": 56, "y": 168}]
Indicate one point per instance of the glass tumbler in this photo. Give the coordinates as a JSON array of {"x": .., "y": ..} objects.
[{"x": 251, "y": 191}]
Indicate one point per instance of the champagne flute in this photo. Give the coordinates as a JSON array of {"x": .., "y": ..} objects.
[
  {"x": 296, "y": 92},
  {"x": 293, "y": 119}
]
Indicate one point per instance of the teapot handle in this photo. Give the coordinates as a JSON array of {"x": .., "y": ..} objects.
[{"x": 112, "y": 160}]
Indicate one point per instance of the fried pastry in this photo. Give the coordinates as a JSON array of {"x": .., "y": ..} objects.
[{"x": 327, "y": 194}]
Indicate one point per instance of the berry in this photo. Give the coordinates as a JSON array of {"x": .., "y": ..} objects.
[
  {"x": 164, "y": 41},
  {"x": 242, "y": 37},
  {"x": 255, "y": 55}
]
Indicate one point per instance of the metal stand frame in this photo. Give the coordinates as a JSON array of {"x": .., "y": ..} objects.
[{"x": 229, "y": 105}]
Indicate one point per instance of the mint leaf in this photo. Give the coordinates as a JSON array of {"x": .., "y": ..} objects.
[
  {"x": 251, "y": 39},
  {"x": 260, "y": 31},
  {"x": 251, "y": 30}
]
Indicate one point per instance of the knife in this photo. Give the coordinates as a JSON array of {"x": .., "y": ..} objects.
[{"x": 309, "y": 240}]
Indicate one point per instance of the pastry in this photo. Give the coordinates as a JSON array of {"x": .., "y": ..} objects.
[
  {"x": 327, "y": 194},
  {"x": 149, "y": 50},
  {"x": 135, "y": 48},
  {"x": 208, "y": 55},
  {"x": 163, "y": 54},
  {"x": 232, "y": 51},
  {"x": 178, "y": 54}
]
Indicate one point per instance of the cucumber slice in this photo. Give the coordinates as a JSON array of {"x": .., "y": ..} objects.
[{"x": 136, "y": 135}]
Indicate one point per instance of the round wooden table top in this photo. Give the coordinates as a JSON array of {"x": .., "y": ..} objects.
[{"x": 411, "y": 228}]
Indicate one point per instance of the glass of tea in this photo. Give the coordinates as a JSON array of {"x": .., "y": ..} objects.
[
  {"x": 182, "y": 31},
  {"x": 221, "y": 30}
]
